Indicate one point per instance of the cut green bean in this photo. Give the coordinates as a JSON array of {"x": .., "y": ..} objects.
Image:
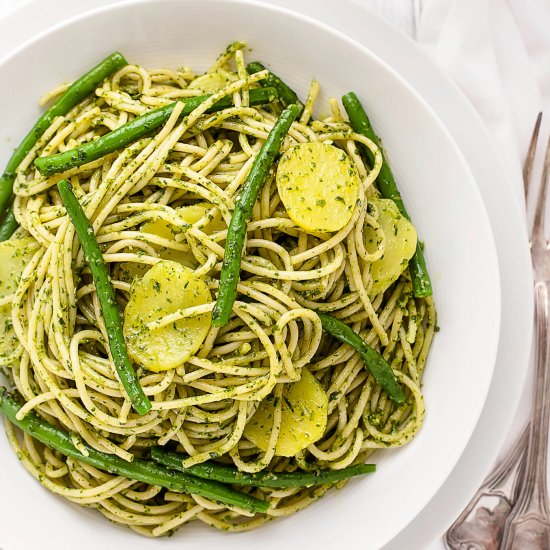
[
  {"x": 138, "y": 469},
  {"x": 236, "y": 232},
  {"x": 8, "y": 226},
  {"x": 134, "y": 130},
  {"x": 106, "y": 296},
  {"x": 374, "y": 362},
  {"x": 78, "y": 90},
  {"x": 285, "y": 93},
  {"x": 228, "y": 474},
  {"x": 360, "y": 122}
]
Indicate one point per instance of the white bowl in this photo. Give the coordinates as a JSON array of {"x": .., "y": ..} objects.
[{"x": 437, "y": 187}]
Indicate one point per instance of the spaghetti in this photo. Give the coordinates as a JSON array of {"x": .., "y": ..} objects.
[{"x": 169, "y": 198}]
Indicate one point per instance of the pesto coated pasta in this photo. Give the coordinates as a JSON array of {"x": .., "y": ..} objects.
[{"x": 270, "y": 390}]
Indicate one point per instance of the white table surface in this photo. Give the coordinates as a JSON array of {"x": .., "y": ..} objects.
[{"x": 405, "y": 15}]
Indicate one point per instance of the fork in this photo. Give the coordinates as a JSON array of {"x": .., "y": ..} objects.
[
  {"x": 528, "y": 525},
  {"x": 480, "y": 525},
  {"x": 512, "y": 502}
]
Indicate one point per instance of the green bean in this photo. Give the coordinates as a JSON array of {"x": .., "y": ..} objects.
[
  {"x": 360, "y": 122},
  {"x": 106, "y": 296},
  {"x": 374, "y": 362},
  {"x": 8, "y": 226},
  {"x": 135, "y": 129},
  {"x": 236, "y": 232},
  {"x": 286, "y": 95},
  {"x": 228, "y": 474},
  {"x": 138, "y": 469},
  {"x": 78, "y": 90}
]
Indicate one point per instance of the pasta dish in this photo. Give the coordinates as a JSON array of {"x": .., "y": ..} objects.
[{"x": 213, "y": 304}]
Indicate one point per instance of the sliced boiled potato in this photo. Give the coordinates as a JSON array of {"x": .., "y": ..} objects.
[
  {"x": 303, "y": 417},
  {"x": 165, "y": 288},
  {"x": 163, "y": 229},
  {"x": 8, "y": 339},
  {"x": 132, "y": 270},
  {"x": 194, "y": 212},
  {"x": 209, "y": 83},
  {"x": 318, "y": 185},
  {"x": 189, "y": 214},
  {"x": 15, "y": 254},
  {"x": 400, "y": 245},
  {"x": 160, "y": 228}
]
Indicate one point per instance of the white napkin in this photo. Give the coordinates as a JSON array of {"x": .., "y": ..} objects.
[
  {"x": 498, "y": 52},
  {"x": 7, "y": 5}
]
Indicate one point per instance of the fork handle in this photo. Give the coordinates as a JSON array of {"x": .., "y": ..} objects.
[
  {"x": 528, "y": 525},
  {"x": 481, "y": 523}
]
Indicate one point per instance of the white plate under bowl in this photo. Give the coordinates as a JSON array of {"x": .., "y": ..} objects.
[{"x": 437, "y": 186}]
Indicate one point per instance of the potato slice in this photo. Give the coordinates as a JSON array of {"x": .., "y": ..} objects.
[
  {"x": 194, "y": 212},
  {"x": 8, "y": 339},
  {"x": 208, "y": 83},
  {"x": 166, "y": 230},
  {"x": 160, "y": 228},
  {"x": 189, "y": 214},
  {"x": 132, "y": 270},
  {"x": 319, "y": 186},
  {"x": 400, "y": 245},
  {"x": 303, "y": 417},
  {"x": 165, "y": 288},
  {"x": 15, "y": 254}
]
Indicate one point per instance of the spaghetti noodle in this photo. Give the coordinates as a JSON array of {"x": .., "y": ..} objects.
[{"x": 169, "y": 198}]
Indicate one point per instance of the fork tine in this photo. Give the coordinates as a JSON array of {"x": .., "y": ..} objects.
[
  {"x": 528, "y": 166},
  {"x": 538, "y": 225}
]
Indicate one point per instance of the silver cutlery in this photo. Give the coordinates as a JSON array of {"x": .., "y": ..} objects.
[
  {"x": 511, "y": 508},
  {"x": 528, "y": 525},
  {"x": 480, "y": 525}
]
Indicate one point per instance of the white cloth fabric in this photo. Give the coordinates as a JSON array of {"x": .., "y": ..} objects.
[
  {"x": 8, "y": 5},
  {"x": 498, "y": 52}
]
